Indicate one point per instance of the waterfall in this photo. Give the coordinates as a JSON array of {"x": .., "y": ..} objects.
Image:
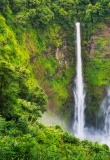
[
  {"x": 78, "y": 91},
  {"x": 105, "y": 110}
]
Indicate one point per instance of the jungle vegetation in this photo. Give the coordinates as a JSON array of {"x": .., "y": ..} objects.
[{"x": 32, "y": 79}]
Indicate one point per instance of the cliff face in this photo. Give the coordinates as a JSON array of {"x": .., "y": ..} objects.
[{"x": 53, "y": 67}]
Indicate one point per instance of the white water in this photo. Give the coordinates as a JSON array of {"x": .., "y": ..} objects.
[
  {"x": 79, "y": 94},
  {"x": 102, "y": 134},
  {"x": 106, "y": 112}
]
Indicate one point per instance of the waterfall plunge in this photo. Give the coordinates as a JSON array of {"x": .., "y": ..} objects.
[{"x": 79, "y": 94}]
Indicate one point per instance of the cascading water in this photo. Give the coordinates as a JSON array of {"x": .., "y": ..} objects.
[
  {"x": 105, "y": 114},
  {"x": 102, "y": 134},
  {"x": 107, "y": 117},
  {"x": 79, "y": 94}
]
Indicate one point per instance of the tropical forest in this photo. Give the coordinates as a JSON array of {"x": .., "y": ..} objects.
[{"x": 54, "y": 79}]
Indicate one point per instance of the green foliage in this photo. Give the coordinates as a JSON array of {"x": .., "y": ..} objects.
[
  {"x": 43, "y": 142},
  {"x": 70, "y": 139},
  {"x": 44, "y": 15},
  {"x": 30, "y": 33},
  {"x": 21, "y": 19},
  {"x": 50, "y": 66},
  {"x": 17, "y": 5},
  {"x": 98, "y": 71},
  {"x": 2, "y": 24},
  {"x": 3, "y": 125},
  {"x": 8, "y": 89},
  {"x": 22, "y": 124},
  {"x": 3, "y": 5}
]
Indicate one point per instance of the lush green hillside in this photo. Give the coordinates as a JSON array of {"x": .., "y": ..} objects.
[
  {"x": 30, "y": 141},
  {"x": 37, "y": 66}
]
